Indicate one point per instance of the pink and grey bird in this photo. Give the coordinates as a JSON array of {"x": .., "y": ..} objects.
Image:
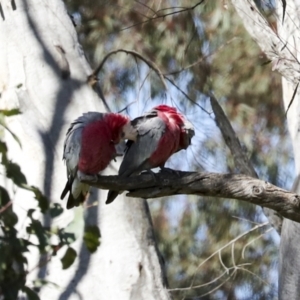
[
  {"x": 89, "y": 147},
  {"x": 162, "y": 132}
]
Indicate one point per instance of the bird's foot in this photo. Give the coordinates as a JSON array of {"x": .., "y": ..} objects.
[
  {"x": 170, "y": 171},
  {"x": 151, "y": 173},
  {"x": 86, "y": 177}
]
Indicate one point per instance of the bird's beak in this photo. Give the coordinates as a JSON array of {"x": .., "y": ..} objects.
[{"x": 129, "y": 132}]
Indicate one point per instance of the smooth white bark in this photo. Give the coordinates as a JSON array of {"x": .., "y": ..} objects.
[
  {"x": 282, "y": 47},
  {"x": 289, "y": 256},
  {"x": 38, "y": 47}
]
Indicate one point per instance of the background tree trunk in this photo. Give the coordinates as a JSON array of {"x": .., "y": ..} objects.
[
  {"x": 289, "y": 255},
  {"x": 43, "y": 71},
  {"x": 282, "y": 47}
]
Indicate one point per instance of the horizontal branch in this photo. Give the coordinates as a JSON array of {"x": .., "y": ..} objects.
[{"x": 233, "y": 186}]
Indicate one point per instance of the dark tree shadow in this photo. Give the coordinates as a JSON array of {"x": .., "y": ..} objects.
[{"x": 50, "y": 139}]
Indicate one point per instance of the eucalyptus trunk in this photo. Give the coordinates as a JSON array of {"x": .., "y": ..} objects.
[
  {"x": 282, "y": 48},
  {"x": 43, "y": 72}
]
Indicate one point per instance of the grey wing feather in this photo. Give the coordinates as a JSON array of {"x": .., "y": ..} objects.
[
  {"x": 150, "y": 132},
  {"x": 72, "y": 145}
]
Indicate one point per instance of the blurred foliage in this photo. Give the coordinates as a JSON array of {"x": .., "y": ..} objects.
[
  {"x": 199, "y": 47},
  {"x": 91, "y": 237},
  {"x": 13, "y": 247}
]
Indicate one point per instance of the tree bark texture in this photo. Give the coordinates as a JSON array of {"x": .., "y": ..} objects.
[
  {"x": 241, "y": 161},
  {"x": 289, "y": 256},
  {"x": 44, "y": 73},
  {"x": 282, "y": 48},
  {"x": 233, "y": 186},
  {"x": 272, "y": 43}
]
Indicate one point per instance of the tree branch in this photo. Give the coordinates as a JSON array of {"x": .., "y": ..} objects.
[
  {"x": 241, "y": 160},
  {"x": 234, "y": 186},
  {"x": 135, "y": 54},
  {"x": 157, "y": 16},
  {"x": 279, "y": 51}
]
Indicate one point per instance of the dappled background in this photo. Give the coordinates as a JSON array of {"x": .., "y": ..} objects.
[{"x": 225, "y": 247}]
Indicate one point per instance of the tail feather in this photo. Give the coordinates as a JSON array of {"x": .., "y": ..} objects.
[
  {"x": 72, "y": 201},
  {"x": 78, "y": 192},
  {"x": 66, "y": 190},
  {"x": 111, "y": 196}
]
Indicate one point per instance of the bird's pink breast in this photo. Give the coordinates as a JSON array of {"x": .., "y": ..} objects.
[
  {"x": 167, "y": 145},
  {"x": 97, "y": 150}
]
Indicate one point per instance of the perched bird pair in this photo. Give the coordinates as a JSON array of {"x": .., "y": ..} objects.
[{"x": 90, "y": 145}]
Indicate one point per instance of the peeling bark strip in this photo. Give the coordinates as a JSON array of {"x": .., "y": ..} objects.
[
  {"x": 278, "y": 51},
  {"x": 234, "y": 186}
]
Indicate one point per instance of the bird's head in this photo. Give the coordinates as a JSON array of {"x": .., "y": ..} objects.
[
  {"x": 121, "y": 128},
  {"x": 187, "y": 128},
  {"x": 187, "y": 133},
  {"x": 129, "y": 132}
]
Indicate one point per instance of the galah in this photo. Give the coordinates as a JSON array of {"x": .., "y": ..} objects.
[
  {"x": 161, "y": 132},
  {"x": 89, "y": 147}
]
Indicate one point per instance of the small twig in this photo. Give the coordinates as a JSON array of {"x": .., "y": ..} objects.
[
  {"x": 217, "y": 287},
  {"x": 201, "y": 58},
  {"x": 252, "y": 241},
  {"x": 245, "y": 220},
  {"x": 209, "y": 282},
  {"x": 221, "y": 262},
  {"x": 150, "y": 63},
  {"x": 226, "y": 245},
  {"x": 232, "y": 255},
  {"x": 186, "y": 95},
  {"x": 126, "y": 107},
  {"x": 292, "y": 100},
  {"x": 42, "y": 263},
  {"x": 253, "y": 274},
  {"x": 5, "y": 207},
  {"x": 164, "y": 15}
]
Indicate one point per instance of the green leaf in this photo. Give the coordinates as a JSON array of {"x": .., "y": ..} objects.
[
  {"x": 42, "y": 200},
  {"x": 66, "y": 238},
  {"x": 4, "y": 197},
  {"x": 7, "y": 215},
  {"x": 3, "y": 148},
  {"x": 69, "y": 258},
  {"x": 30, "y": 212},
  {"x": 2, "y": 122},
  {"x": 13, "y": 171},
  {"x": 91, "y": 237},
  {"x": 38, "y": 283},
  {"x": 10, "y": 112},
  {"x": 56, "y": 210},
  {"x": 37, "y": 228},
  {"x": 9, "y": 218},
  {"x": 32, "y": 295}
]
